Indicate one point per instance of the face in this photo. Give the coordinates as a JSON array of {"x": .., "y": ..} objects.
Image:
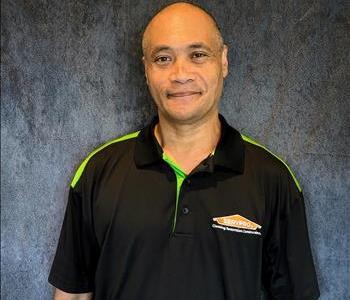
[{"x": 184, "y": 65}]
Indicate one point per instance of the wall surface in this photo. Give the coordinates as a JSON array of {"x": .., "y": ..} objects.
[{"x": 72, "y": 78}]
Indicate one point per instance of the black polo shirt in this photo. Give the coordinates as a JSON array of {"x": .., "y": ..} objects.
[{"x": 240, "y": 225}]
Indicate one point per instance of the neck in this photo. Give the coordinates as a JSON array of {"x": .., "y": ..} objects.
[{"x": 188, "y": 142}]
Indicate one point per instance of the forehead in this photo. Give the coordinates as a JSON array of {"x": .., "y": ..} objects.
[{"x": 181, "y": 27}]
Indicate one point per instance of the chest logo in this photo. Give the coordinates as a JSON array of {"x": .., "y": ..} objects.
[{"x": 236, "y": 223}]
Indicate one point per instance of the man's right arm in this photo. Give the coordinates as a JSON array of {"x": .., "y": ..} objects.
[
  {"x": 74, "y": 264},
  {"x": 61, "y": 295}
]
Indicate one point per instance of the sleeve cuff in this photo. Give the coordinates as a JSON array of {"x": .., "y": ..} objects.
[{"x": 69, "y": 287}]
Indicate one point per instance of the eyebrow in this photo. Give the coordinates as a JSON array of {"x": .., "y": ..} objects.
[
  {"x": 160, "y": 48},
  {"x": 200, "y": 46},
  {"x": 191, "y": 46}
]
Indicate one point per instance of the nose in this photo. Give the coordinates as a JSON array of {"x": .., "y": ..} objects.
[{"x": 181, "y": 71}]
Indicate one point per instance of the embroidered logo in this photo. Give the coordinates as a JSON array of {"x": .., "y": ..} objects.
[{"x": 236, "y": 223}]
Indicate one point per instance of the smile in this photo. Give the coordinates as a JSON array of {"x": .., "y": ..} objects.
[{"x": 182, "y": 94}]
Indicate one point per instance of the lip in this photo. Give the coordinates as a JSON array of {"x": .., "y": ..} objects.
[{"x": 182, "y": 94}]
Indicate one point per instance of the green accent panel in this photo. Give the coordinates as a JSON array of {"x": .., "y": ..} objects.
[
  {"x": 180, "y": 177},
  {"x": 83, "y": 164},
  {"x": 249, "y": 140}
]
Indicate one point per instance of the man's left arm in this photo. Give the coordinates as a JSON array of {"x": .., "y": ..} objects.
[{"x": 288, "y": 268}]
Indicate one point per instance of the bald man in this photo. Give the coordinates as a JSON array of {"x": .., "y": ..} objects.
[{"x": 186, "y": 208}]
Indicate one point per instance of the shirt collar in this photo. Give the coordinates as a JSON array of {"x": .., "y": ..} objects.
[{"x": 229, "y": 152}]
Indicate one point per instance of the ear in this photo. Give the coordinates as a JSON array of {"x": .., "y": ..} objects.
[
  {"x": 144, "y": 65},
  {"x": 224, "y": 61}
]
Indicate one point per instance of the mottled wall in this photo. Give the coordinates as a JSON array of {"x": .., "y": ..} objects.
[{"x": 72, "y": 78}]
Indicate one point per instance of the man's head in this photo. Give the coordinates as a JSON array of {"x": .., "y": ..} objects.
[{"x": 185, "y": 62}]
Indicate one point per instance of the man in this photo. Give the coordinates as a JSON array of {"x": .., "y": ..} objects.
[{"x": 187, "y": 208}]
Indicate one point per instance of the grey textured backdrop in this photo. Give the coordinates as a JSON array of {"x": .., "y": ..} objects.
[{"x": 72, "y": 78}]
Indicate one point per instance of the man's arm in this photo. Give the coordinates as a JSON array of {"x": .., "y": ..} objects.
[
  {"x": 73, "y": 267},
  {"x": 61, "y": 295},
  {"x": 288, "y": 270}
]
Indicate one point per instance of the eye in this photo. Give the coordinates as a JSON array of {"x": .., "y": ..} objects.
[
  {"x": 162, "y": 60},
  {"x": 199, "y": 55}
]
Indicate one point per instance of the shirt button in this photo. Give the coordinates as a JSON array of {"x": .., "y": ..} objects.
[
  {"x": 188, "y": 181},
  {"x": 185, "y": 210}
]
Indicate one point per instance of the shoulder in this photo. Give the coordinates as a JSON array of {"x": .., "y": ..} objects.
[
  {"x": 103, "y": 153},
  {"x": 267, "y": 162}
]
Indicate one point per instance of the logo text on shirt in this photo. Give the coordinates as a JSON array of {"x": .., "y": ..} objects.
[{"x": 236, "y": 223}]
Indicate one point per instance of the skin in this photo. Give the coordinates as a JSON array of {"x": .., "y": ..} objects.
[
  {"x": 185, "y": 65},
  {"x": 60, "y": 295}
]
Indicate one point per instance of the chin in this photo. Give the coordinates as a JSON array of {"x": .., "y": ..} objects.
[{"x": 183, "y": 117}]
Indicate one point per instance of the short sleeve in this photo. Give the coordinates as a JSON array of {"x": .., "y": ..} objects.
[
  {"x": 288, "y": 269},
  {"x": 74, "y": 264}
]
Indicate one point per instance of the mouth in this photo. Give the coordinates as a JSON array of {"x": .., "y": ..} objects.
[{"x": 184, "y": 94}]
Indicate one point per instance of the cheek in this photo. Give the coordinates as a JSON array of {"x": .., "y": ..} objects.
[
  {"x": 211, "y": 80},
  {"x": 156, "y": 81}
]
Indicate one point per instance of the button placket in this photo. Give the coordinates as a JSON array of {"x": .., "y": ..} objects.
[{"x": 184, "y": 223}]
